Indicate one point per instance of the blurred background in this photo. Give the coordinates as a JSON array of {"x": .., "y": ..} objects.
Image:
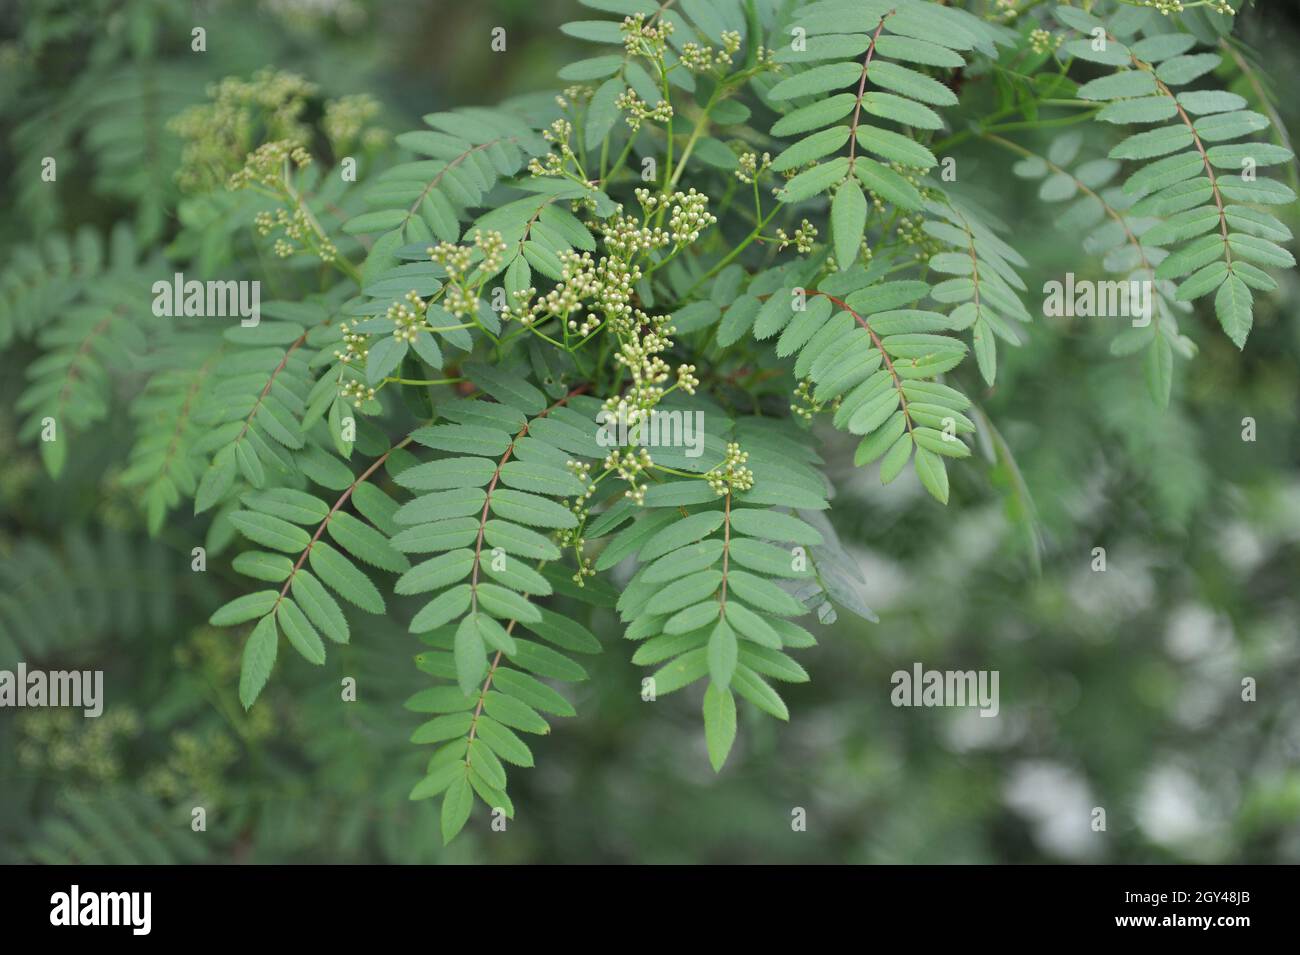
[{"x": 1119, "y": 689}]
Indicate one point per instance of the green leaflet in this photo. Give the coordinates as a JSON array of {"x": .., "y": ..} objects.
[
  {"x": 471, "y": 655},
  {"x": 456, "y": 805},
  {"x": 269, "y": 531},
  {"x": 1108, "y": 54},
  {"x": 917, "y": 51},
  {"x": 815, "y": 115},
  {"x": 762, "y": 594},
  {"x": 1156, "y": 142},
  {"x": 385, "y": 355},
  {"x": 448, "y": 473},
  {"x": 1180, "y": 70},
  {"x": 753, "y": 688},
  {"x": 894, "y": 147},
  {"x": 719, "y": 723},
  {"x": 319, "y": 606},
  {"x": 684, "y": 531},
  {"x": 848, "y": 220},
  {"x": 438, "y": 729},
  {"x": 263, "y": 566},
  {"x": 1233, "y": 304},
  {"x": 546, "y": 662},
  {"x": 886, "y": 183},
  {"x": 722, "y": 653},
  {"x": 519, "y": 541},
  {"x": 811, "y": 148},
  {"x": 776, "y": 313},
  {"x": 288, "y": 504},
  {"x": 507, "y": 388},
  {"x": 503, "y": 741},
  {"x": 1148, "y": 109},
  {"x": 1153, "y": 49},
  {"x": 1121, "y": 85},
  {"x": 901, "y": 110},
  {"x": 930, "y": 469},
  {"x": 365, "y": 543},
  {"x": 531, "y": 509},
  {"x": 436, "y": 535},
  {"x": 257, "y": 660},
  {"x": 818, "y": 79},
  {"x": 344, "y": 578},
  {"x": 531, "y": 691},
  {"x": 436, "y": 573},
  {"x": 439, "y": 506},
  {"x": 302, "y": 635},
  {"x": 247, "y": 607},
  {"x": 683, "y": 561},
  {"x": 510, "y": 711},
  {"x": 812, "y": 182},
  {"x": 464, "y": 439},
  {"x": 774, "y": 525},
  {"x": 682, "y": 671},
  {"x": 910, "y": 83}
]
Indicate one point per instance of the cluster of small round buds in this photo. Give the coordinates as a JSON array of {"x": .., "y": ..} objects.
[
  {"x": 493, "y": 247},
  {"x": 519, "y": 310},
  {"x": 628, "y": 102},
  {"x": 551, "y": 164},
  {"x": 630, "y": 464},
  {"x": 588, "y": 325},
  {"x": 751, "y": 166},
  {"x": 686, "y": 379},
  {"x": 640, "y": 39},
  {"x": 573, "y": 96},
  {"x": 690, "y": 215},
  {"x": 559, "y": 134},
  {"x": 582, "y": 471},
  {"x": 452, "y": 257},
  {"x": 459, "y": 301},
  {"x": 910, "y": 230},
  {"x": 803, "y": 239},
  {"x": 356, "y": 390},
  {"x": 804, "y": 405},
  {"x": 609, "y": 283},
  {"x": 731, "y": 474},
  {"x": 407, "y": 316},
  {"x": 702, "y": 59},
  {"x": 661, "y": 112},
  {"x": 265, "y": 165},
  {"x": 354, "y": 345},
  {"x": 639, "y": 111},
  {"x": 585, "y": 569},
  {"x": 559, "y": 131},
  {"x": 626, "y": 237}
]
